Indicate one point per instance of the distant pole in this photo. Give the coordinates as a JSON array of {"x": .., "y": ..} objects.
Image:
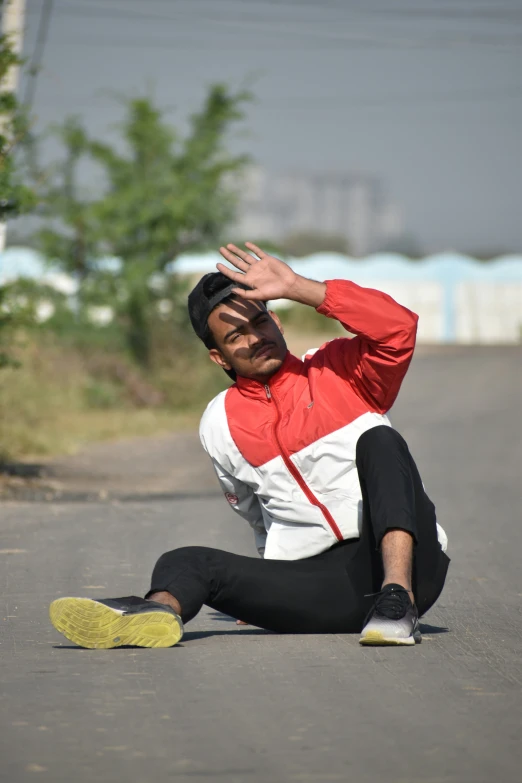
[
  {"x": 35, "y": 62},
  {"x": 12, "y": 25}
]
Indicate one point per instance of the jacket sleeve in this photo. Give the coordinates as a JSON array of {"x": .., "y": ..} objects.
[
  {"x": 244, "y": 501},
  {"x": 375, "y": 361}
]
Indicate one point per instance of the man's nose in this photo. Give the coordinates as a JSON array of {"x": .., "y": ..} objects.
[{"x": 254, "y": 337}]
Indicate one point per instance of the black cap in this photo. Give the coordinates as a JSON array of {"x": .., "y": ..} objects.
[{"x": 212, "y": 289}]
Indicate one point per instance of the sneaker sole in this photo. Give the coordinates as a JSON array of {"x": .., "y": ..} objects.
[
  {"x": 91, "y": 624},
  {"x": 377, "y": 639}
]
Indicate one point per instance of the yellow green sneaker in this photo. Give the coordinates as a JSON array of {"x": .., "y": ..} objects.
[{"x": 116, "y": 622}]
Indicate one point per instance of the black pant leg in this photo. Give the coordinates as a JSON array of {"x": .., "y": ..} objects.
[
  {"x": 314, "y": 595},
  {"x": 394, "y": 498},
  {"x": 430, "y": 563},
  {"x": 384, "y": 468},
  {"x": 322, "y": 594}
]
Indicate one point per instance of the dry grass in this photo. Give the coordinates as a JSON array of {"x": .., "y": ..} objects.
[
  {"x": 72, "y": 430},
  {"x": 51, "y": 404},
  {"x": 57, "y": 400}
]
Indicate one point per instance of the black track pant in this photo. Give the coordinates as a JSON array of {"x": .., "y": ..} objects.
[{"x": 325, "y": 593}]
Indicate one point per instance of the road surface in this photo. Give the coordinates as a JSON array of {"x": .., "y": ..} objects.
[{"x": 242, "y": 705}]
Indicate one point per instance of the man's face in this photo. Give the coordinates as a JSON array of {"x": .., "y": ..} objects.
[{"x": 249, "y": 339}]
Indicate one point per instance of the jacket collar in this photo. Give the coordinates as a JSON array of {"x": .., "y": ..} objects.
[{"x": 279, "y": 383}]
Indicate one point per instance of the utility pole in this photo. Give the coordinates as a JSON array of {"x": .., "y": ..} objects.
[{"x": 12, "y": 25}]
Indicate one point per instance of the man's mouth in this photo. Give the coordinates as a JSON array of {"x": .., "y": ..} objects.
[{"x": 264, "y": 351}]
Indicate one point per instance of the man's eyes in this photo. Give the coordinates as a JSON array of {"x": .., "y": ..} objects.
[{"x": 234, "y": 337}]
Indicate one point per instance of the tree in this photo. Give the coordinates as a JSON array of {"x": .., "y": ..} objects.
[
  {"x": 14, "y": 195},
  {"x": 71, "y": 235},
  {"x": 165, "y": 195}
]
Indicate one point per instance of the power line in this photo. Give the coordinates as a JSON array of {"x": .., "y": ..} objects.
[
  {"x": 317, "y": 43},
  {"x": 248, "y": 19},
  {"x": 491, "y": 12},
  {"x": 405, "y": 100},
  {"x": 440, "y": 5},
  {"x": 36, "y": 60},
  {"x": 260, "y": 26},
  {"x": 347, "y": 101}
]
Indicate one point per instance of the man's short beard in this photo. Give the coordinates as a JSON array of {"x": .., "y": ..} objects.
[{"x": 266, "y": 373}]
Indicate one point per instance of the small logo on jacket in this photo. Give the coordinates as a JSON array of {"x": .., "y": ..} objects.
[{"x": 232, "y": 499}]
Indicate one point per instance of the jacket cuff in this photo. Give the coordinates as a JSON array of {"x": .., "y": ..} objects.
[{"x": 336, "y": 291}]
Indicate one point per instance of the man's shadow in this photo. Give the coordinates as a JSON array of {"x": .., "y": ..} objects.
[
  {"x": 244, "y": 630},
  {"x": 426, "y": 628},
  {"x": 431, "y": 630}
]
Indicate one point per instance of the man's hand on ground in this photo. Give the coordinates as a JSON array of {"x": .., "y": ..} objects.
[{"x": 268, "y": 277}]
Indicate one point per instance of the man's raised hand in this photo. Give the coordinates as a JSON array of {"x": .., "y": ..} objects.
[{"x": 268, "y": 277}]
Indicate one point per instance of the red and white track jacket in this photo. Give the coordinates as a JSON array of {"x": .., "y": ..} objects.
[{"x": 284, "y": 452}]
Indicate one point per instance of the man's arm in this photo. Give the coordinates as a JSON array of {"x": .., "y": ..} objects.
[
  {"x": 214, "y": 437},
  {"x": 375, "y": 362},
  {"x": 243, "y": 500},
  {"x": 377, "y": 359}
]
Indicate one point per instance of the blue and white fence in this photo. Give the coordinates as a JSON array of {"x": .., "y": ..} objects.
[{"x": 458, "y": 299}]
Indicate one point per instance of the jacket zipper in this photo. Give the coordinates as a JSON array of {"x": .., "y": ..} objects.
[{"x": 295, "y": 473}]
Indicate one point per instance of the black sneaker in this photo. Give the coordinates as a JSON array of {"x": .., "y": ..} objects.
[
  {"x": 393, "y": 619},
  {"x": 114, "y": 622}
]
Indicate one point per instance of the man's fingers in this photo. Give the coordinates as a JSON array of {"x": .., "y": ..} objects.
[
  {"x": 246, "y": 257},
  {"x": 237, "y": 277},
  {"x": 233, "y": 259},
  {"x": 257, "y": 250},
  {"x": 251, "y": 293}
]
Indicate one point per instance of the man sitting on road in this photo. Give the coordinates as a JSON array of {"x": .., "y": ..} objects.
[{"x": 303, "y": 451}]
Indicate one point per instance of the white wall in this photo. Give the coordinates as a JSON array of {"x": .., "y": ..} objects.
[
  {"x": 424, "y": 298},
  {"x": 488, "y": 312}
]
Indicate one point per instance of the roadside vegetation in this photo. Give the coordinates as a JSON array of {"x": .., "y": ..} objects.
[
  {"x": 56, "y": 396},
  {"x": 114, "y": 355}
]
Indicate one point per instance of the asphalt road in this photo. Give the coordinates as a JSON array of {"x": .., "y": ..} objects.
[{"x": 240, "y": 705}]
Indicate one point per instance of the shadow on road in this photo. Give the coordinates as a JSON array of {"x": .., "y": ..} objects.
[
  {"x": 22, "y": 469},
  {"x": 188, "y": 636},
  {"x": 433, "y": 629},
  {"x": 192, "y": 636},
  {"x": 48, "y": 494}
]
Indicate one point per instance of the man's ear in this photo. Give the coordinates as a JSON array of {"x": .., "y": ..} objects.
[
  {"x": 276, "y": 320},
  {"x": 217, "y": 357}
]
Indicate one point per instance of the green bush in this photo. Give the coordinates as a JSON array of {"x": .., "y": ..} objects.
[{"x": 101, "y": 394}]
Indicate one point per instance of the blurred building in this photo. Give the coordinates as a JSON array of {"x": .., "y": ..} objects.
[{"x": 350, "y": 205}]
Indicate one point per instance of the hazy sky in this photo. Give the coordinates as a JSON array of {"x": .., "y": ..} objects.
[{"x": 426, "y": 94}]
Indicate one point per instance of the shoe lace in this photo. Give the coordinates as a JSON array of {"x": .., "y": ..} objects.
[{"x": 393, "y": 601}]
